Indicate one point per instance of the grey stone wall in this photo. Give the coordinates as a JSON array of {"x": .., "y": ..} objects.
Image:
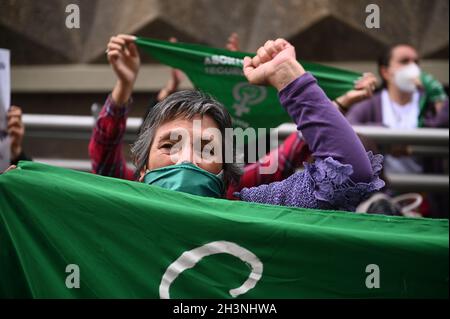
[{"x": 331, "y": 30}]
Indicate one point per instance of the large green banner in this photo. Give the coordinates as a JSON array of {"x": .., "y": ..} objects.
[
  {"x": 219, "y": 73},
  {"x": 68, "y": 234}
]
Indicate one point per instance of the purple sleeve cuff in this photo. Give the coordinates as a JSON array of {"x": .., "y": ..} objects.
[
  {"x": 325, "y": 184},
  {"x": 335, "y": 189}
]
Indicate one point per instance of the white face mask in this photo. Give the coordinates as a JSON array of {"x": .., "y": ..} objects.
[{"x": 405, "y": 77}]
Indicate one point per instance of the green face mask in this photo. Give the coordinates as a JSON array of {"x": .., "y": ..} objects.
[{"x": 187, "y": 178}]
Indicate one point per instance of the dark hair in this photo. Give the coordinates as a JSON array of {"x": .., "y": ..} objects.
[
  {"x": 385, "y": 59},
  {"x": 185, "y": 104}
]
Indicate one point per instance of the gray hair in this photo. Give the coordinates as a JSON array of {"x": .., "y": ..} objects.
[{"x": 184, "y": 104}]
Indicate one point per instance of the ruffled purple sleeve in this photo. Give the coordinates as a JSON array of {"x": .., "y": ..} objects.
[
  {"x": 343, "y": 174},
  {"x": 325, "y": 184}
]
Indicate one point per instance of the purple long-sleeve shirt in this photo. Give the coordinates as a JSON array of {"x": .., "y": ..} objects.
[
  {"x": 343, "y": 174},
  {"x": 369, "y": 112}
]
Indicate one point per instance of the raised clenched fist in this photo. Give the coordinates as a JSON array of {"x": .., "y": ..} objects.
[{"x": 274, "y": 64}]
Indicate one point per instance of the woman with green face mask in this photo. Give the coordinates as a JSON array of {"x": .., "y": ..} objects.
[
  {"x": 105, "y": 147},
  {"x": 188, "y": 178},
  {"x": 169, "y": 151}
]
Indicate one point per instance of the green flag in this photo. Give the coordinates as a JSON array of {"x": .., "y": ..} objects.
[
  {"x": 68, "y": 234},
  {"x": 219, "y": 73},
  {"x": 433, "y": 92}
]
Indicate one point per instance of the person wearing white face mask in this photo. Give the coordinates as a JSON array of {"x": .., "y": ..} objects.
[
  {"x": 406, "y": 78},
  {"x": 408, "y": 99},
  {"x": 405, "y": 88}
]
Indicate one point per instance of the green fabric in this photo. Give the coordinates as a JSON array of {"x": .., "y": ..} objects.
[
  {"x": 188, "y": 178},
  {"x": 123, "y": 235},
  {"x": 433, "y": 88},
  {"x": 433, "y": 92},
  {"x": 249, "y": 105}
]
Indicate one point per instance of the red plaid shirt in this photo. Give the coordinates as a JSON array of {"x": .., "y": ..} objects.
[{"x": 105, "y": 150}]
